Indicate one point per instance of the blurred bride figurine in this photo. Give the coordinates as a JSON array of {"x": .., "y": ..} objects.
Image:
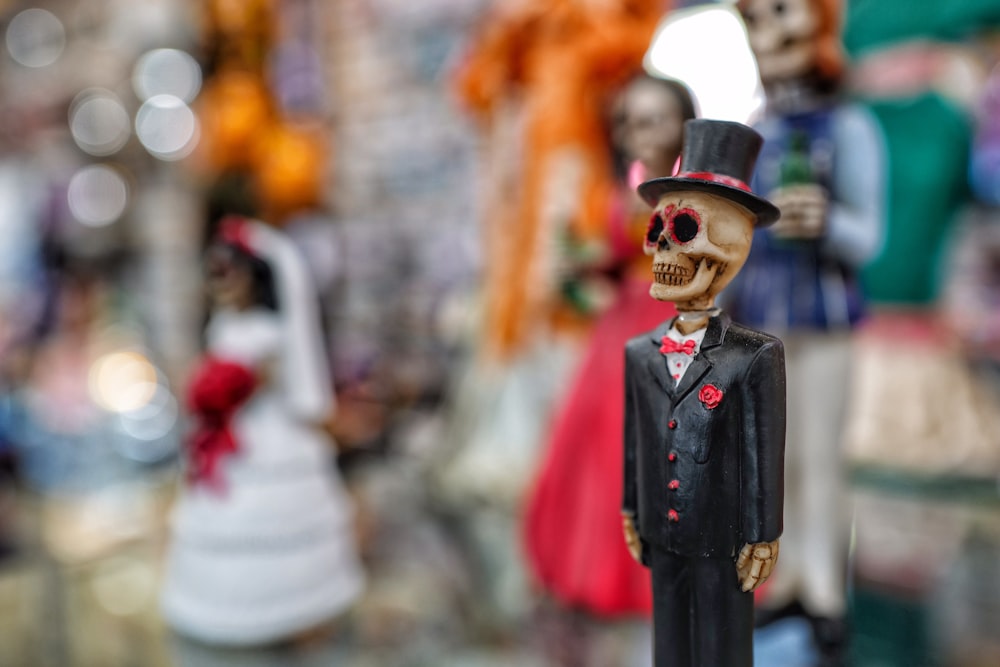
[{"x": 262, "y": 545}]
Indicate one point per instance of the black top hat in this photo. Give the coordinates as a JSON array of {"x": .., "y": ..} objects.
[{"x": 719, "y": 157}]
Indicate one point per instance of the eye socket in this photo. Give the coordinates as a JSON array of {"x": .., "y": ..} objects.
[
  {"x": 684, "y": 226},
  {"x": 654, "y": 229}
]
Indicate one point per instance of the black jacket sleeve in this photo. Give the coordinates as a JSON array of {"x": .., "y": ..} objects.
[
  {"x": 763, "y": 433},
  {"x": 630, "y": 502}
]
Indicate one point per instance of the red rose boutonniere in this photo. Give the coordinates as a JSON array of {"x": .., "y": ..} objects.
[{"x": 710, "y": 395}]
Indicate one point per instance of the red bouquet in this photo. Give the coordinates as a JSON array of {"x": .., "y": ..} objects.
[{"x": 217, "y": 389}]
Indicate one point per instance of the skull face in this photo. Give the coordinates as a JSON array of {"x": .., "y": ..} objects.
[
  {"x": 782, "y": 36},
  {"x": 698, "y": 242},
  {"x": 652, "y": 125}
]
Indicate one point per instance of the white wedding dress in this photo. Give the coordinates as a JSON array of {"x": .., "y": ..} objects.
[{"x": 272, "y": 552}]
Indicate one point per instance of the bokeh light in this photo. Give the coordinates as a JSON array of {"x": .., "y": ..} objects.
[
  {"x": 707, "y": 49},
  {"x": 153, "y": 420},
  {"x": 122, "y": 381},
  {"x": 167, "y": 72},
  {"x": 167, "y": 127},
  {"x": 35, "y": 38},
  {"x": 99, "y": 123},
  {"x": 97, "y": 195}
]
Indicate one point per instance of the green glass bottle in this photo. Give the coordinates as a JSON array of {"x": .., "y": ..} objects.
[{"x": 796, "y": 167}]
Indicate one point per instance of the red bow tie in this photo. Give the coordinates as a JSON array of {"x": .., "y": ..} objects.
[{"x": 670, "y": 345}]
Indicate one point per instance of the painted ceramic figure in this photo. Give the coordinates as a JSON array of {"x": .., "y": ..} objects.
[
  {"x": 704, "y": 412},
  {"x": 571, "y": 521},
  {"x": 531, "y": 64},
  {"x": 822, "y": 166},
  {"x": 262, "y": 542}
]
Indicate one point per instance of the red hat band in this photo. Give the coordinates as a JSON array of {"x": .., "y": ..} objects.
[{"x": 711, "y": 177}]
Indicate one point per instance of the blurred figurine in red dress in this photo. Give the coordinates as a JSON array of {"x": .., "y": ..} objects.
[
  {"x": 572, "y": 524},
  {"x": 540, "y": 77}
]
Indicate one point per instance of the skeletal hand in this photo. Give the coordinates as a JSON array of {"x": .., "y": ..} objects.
[
  {"x": 803, "y": 211},
  {"x": 632, "y": 537},
  {"x": 755, "y": 563}
]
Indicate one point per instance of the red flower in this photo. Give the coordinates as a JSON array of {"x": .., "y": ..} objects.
[
  {"x": 234, "y": 230},
  {"x": 217, "y": 389},
  {"x": 710, "y": 395}
]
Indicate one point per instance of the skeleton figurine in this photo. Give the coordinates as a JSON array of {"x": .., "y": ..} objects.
[{"x": 704, "y": 412}]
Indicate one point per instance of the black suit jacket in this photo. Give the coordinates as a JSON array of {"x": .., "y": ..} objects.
[{"x": 702, "y": 480}]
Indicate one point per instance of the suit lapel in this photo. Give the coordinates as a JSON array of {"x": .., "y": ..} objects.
[
  {"x": 700, "y": 365},
  {"x": 656, "y": 362}
]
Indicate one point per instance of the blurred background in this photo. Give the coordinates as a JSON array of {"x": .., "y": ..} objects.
[{"x": 451, "y": 171}]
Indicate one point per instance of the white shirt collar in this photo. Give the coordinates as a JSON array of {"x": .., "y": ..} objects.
[
  {"x": 697, "y": 336},
  {"x": 677, "y": 362}
]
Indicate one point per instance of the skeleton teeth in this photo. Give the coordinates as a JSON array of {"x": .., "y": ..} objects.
[{"x": 672, "y": 274}]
